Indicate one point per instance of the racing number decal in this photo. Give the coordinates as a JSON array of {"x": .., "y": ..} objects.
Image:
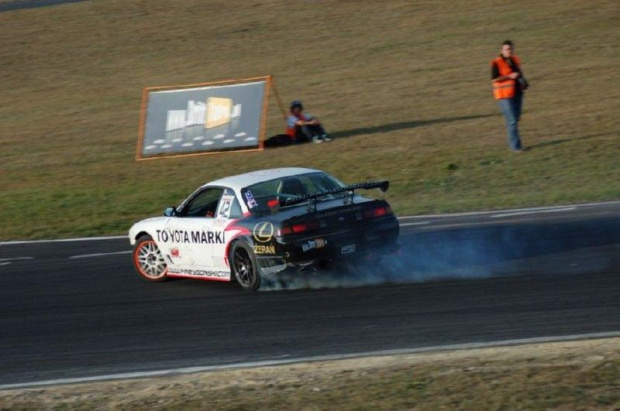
[
  {"x": 225, "y": 208},
  {"x": 263, "y": 232}
]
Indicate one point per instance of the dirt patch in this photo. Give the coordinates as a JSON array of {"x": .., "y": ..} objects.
[{"x": 568, "y": 375}]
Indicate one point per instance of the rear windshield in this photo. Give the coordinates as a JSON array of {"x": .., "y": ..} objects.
[{"x": 259, "y": 195}]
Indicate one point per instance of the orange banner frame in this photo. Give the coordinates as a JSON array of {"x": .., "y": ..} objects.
[{"x": 263, "y": 123}]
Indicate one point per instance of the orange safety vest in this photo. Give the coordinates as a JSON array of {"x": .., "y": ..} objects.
[{"x": 506, "y": 88}]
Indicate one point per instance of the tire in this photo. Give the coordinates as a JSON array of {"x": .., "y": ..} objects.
[
  {"x": 148, "y": 260},
  {"x": 244, "y": 266}
]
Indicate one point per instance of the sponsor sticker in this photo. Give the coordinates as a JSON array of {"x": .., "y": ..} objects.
[
  {"x": 175, "y": 253},
  {"x": 347, "y": 249},
  {"x": 250, "y": 199},
  {"x": 191, "y": 237},
  {"x": 263, "y": 232},
  {"x": 264, "y": 249},
  {"x": 314, "y": 244},
  {"x": 199, "y": 273},
  {"x": 337, "y": 212}
]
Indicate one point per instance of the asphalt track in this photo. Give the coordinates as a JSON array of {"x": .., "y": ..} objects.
[{"x": 75, "y": 309}]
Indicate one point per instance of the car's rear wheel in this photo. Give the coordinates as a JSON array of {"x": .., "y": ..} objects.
[
  {"x": 244, "y": 266},
  {"x": 148, "y": 260}
]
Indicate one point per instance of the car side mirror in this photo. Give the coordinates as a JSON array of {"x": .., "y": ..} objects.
[{"x": 170, "y": 212}]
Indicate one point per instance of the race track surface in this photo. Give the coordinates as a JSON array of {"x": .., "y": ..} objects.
[{"x": 77, "y": 309}]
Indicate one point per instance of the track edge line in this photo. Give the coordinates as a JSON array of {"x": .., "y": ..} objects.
[{"x": 288, "y": 361}]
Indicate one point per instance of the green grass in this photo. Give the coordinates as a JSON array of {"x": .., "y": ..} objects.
[{"x": 403, "y": 85}]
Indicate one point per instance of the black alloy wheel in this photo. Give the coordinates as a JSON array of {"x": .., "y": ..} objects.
[{"x": 245, "y": 268}]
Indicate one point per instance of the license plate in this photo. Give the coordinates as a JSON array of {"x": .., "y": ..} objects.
[{"x": 347, "y": 249}]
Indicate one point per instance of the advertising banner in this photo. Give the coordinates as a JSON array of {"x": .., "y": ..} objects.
[{"x": 203, "y": 118}]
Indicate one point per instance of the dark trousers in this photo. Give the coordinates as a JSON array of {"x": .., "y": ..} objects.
[{"x": 305, "y": 133}]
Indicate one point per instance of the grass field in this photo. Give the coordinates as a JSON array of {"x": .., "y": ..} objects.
[{"x": 403, "y": 85}]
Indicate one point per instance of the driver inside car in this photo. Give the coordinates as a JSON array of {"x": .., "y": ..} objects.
[{"x": 293, "y": 187}]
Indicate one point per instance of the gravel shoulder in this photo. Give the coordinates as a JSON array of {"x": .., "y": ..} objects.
[{"x": 567, "y": 375}]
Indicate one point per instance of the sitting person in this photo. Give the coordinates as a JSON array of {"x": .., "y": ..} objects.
[{"x": 304, "y": 127}]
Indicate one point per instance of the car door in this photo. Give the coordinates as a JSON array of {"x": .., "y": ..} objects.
[
  {"x": 228, "y": 211},
  {"x": 194, "y": 235}
]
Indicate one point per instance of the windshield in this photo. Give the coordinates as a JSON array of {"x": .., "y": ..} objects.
[{"x": 268, "y": 193}]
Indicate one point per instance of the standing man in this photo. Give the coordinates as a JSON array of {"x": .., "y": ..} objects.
[
  {"x": 508, "y": 86},
  {"x": 304, "y": 126}
]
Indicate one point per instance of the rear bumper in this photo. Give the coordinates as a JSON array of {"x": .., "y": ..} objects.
[{"x": 358, "y": 242}]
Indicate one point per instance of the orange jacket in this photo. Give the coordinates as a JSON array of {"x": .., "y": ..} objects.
[
  {"x": 291, "y": 129},
  {"x": 506, "y": 88}
]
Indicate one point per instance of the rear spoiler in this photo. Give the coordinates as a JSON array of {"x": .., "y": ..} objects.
[{"x": 381, "y": 185}]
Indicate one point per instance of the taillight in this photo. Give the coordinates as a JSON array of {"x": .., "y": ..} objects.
[
  {"x": 298, "y": 228},
  {"x": 377, "y": 212},
  {"x": 284, "y": 231}
]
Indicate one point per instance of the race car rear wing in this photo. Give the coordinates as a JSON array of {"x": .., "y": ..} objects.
[{"x": 381, "y": 185}]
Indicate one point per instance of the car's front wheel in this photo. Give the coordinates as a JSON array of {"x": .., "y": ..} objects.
[
  {"x": 148, "y": 260},
  {"x": 244, "y": 266}
]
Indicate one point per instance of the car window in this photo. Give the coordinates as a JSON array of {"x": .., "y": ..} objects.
[
  {"x": 204, "y": 204},
  {"x": 258, "y": 195}
]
